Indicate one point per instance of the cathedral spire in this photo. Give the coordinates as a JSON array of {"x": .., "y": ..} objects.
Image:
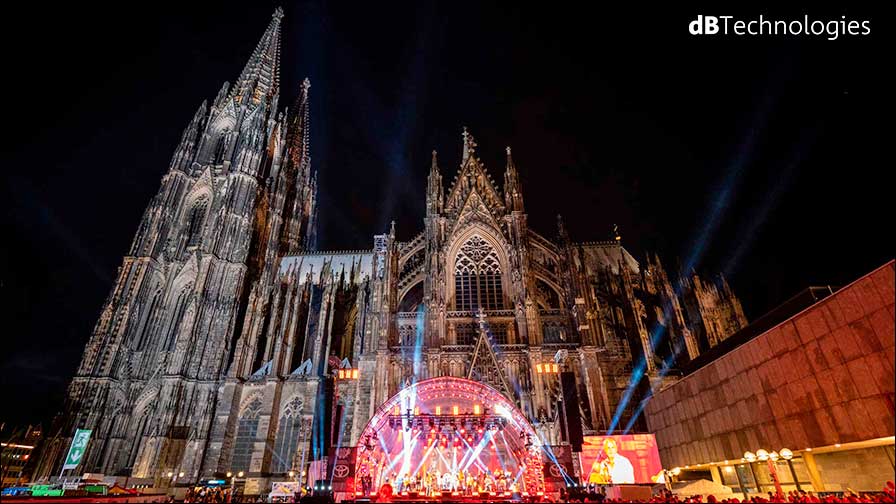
[
  {"x": 513, "y": 193},
  {"x": 299, "y": 135},
  {"x": 434, "y": 194},
  {"x": 261, "y": 76},
  {"x": 561, "y": 230}
]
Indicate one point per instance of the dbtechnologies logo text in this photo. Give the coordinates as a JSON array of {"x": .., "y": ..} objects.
[{"x": 831, "y": 29}]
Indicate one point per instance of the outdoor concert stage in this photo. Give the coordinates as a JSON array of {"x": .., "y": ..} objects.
[{"x": 437, "y": 438}]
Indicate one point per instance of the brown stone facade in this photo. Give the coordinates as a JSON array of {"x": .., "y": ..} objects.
[{"x": 823, "y": 377}]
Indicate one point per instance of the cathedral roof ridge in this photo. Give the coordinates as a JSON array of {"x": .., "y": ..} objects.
[
  {"x": 601, "y": 243},
  {"x": 335, "y": 252}
]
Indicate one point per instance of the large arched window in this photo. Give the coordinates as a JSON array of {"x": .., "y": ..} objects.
[
  {"x": 150, "y": 319},
  {"x": 196, "y": 221},
  {"x": 177, "y": 316},
  {"x": 477, "y": 277},
  {"x": 246, "y": 431},
  {"x": 289, "y": 433},
  {"x": 221, "y": 147}
]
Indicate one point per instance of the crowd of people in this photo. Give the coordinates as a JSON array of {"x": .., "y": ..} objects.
[
  {"x": 888, "y": 494},
  {"x": 208, "y": 494}
]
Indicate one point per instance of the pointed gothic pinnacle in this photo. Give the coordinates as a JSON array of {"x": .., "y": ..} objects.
[
  {"x": 510, "y": 165},
  {"x": 469, "y": 145},
  {"x": 278, "y": 13},
  {"x": 434, "y": 167}
]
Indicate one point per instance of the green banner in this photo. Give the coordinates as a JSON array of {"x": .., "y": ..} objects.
[{"x": 76, "y": 451}]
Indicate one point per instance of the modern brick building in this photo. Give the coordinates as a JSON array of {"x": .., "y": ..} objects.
[{"x": 820, "y": 383}]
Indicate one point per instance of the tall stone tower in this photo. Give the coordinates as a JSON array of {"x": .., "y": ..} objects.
[{"x": 237, "y": 192}]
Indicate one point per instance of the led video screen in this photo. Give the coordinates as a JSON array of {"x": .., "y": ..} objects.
[{"x": 623, "y": 459}]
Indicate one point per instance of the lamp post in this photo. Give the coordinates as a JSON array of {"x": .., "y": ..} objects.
[
  {"x": 770, "y": 458},
  {"x": 233, "y": 483}
]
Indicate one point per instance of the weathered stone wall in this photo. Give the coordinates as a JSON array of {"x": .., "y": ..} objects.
[
  {"x": 865, "y": 470},
  {"x": 824, "y": 376}
]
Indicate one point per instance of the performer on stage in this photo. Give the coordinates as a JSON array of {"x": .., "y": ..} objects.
[
  {"x": 501, "y": 482},
  {"x": 613, "y": 467},
  {"x": 427, "y": 486}
]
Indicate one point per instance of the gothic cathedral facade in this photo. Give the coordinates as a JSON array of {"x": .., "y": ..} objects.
[{"x": 217, "y": 347}]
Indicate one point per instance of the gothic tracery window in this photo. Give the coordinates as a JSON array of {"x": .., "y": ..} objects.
[
  {"x": 289, "y": 433},
  {"x": 246, "y": 431},
  {"x": 221, "y": 147},
  {"x": 149, "y": 322},
  {"x": 177, "y": 316},
  {"x": 195, "y": 222},
  {"x": 477, "y": 277}
]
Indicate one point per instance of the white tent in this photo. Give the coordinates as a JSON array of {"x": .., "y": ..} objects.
[{"x": 701, "y": 487}]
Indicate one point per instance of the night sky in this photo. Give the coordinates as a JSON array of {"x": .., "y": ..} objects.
[{"x": 760, "y": 158}]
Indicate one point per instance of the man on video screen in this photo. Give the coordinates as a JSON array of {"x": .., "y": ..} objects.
[{"x": 611, "y": 466}]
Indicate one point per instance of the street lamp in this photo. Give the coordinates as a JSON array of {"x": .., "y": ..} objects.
[
  {"x": 233, "y": 478},
  {"x": 770, "y": 458}
]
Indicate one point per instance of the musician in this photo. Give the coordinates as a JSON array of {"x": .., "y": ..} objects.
[
  {"x": 471, "y": 483},
  {"x": 613, "y": 467},
  {"x": 430, "y": 483}
]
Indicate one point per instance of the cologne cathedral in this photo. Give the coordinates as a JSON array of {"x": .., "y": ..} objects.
[{"x": 229, "y": 343}]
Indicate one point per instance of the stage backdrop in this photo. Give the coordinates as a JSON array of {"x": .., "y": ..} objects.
[{"x": 630, "y": 458}]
